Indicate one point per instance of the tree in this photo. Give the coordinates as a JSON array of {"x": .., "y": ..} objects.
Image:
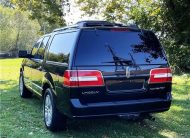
[
  {"x": 177, "y": 14},
  {"x": 177, "y": 19},
  {"x": 145, "y": 13},
  {"x": 47, "y": 12},
  {"x": 169, "y": 19},
  {"x": 6, "y": 3},
  {"x": 17, "y": 31}
]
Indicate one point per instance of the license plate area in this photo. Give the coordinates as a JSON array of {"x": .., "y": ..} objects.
[{"x": 125, "y": 85}]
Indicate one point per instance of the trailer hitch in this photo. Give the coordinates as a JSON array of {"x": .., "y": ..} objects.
[{"x": 136, "y": 117}]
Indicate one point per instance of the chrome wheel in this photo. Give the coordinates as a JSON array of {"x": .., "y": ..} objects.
[
  {"x": 48, "y": 110},
  {"x": 21, "y": 85},
  {"x": 53, "y": 119}
]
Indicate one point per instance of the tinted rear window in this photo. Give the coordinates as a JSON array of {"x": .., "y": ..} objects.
[{"x": 103, "y": 47}]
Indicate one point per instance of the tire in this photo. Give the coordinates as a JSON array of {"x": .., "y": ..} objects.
[
  {"x": 24, "y": 92},
  {"x": 54, "y": 121}
]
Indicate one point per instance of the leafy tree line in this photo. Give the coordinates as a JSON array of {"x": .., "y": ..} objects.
[
  {"x": 17, "y": 31},
  {"x": 48, "y": 12},
  {"x": 169, "y": 19},
  {"x": 22, "y": 21}
]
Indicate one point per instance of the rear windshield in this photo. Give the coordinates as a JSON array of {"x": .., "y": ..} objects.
[{"x": 108, "y": 46}]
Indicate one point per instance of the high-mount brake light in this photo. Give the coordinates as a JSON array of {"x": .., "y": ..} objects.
[
  {"x": 120, "y": 29},
  {"x": 83, "y": 78},
  {"x": 160, "y": 75}
]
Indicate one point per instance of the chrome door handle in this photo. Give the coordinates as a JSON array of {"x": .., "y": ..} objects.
[{"x": 40, "y": 68}]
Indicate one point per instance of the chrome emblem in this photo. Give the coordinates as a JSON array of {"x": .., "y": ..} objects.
[
  {"x": 90, "y": 92},
  {"x": 127, "y": 72}
]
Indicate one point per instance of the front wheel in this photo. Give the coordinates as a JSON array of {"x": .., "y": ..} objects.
[
  {"x": 52, "y": 118},
  {"x": 24, "y": 92}
]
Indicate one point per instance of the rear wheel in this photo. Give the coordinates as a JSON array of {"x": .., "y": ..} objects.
[
  {"x": 53, "y": 120},
  {"x": 24, "y": 92}
]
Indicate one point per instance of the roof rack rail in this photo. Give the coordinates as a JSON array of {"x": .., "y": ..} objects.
[{"x": 95, "y": 23}]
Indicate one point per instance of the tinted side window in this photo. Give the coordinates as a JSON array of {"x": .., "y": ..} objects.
[
  {"x": 41, "y": 49},
  {"x": 61, "y": 46},
  {"x": 35, "y": 47}
]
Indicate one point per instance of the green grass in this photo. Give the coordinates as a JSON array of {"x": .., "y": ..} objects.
[{"x": 23, "y": 117}]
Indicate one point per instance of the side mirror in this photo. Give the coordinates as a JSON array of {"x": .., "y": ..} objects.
[{"x": 24, "y": 54}]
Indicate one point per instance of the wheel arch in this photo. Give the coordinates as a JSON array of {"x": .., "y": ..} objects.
[
  {"x": 47, "y": 82},
  {"x": 21, "y": 69}
]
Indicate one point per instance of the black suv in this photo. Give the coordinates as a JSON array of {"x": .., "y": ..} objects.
[{"x": 97, "y": 68}]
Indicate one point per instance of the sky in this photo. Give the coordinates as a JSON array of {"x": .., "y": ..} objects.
[{"x": 75, "y": 14}]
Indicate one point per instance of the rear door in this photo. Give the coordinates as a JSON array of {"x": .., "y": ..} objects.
[
  {"x": 125, "y": 58},
  {"x": 29, "y": 65}
]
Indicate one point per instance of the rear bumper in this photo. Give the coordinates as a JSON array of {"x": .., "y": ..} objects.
[{"x": 118, "y": 108}]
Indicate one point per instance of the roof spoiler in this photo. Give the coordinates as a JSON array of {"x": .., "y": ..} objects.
[{"x": 95, "y": 23}]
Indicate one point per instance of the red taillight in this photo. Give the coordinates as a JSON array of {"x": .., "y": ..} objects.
[
  {"x": 83, "y": 78},
  {"x": 160, "y": 75},
  {"x": 67, "y": 78}
]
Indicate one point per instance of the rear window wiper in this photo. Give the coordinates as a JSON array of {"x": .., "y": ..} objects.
[
  {"x": 121, "y": 62},
  {"x": 117, "y": 60}
]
